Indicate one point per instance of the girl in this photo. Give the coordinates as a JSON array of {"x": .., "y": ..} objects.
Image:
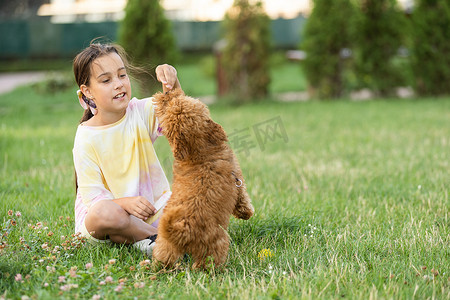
[{"x": 121, "y": 187}]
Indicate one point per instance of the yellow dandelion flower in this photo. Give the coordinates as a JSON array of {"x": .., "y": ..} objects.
[{"x": 265, "y": 253}]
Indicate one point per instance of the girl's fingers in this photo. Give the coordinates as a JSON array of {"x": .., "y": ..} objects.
[
  {"x": 143, "y": 210},
  {"x": 147, "y": 209},
  {"x": 141, "y": 214},
  {"x": 138, "y": 215},
  {"x": 160, "y": 76},
  {"x": 167, "y": 75},
  {"x": 152, "y": 208}
]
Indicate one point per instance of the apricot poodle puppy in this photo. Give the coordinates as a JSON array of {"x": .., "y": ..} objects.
[{"x": 207, "y": 184}]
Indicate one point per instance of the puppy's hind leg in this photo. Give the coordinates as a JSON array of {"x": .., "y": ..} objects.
[
  {"x": 215, "y": 253},
  {"x": 165, "y": 252}
]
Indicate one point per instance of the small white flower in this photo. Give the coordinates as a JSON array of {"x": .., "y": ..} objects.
[{"x": 51, "y": 269}]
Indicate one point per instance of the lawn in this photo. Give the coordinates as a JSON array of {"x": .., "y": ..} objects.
[{"x": 351, "y": 202}]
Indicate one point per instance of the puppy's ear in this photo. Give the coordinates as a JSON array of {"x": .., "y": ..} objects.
[
  {"x": 162, "y": 99},
  {"x": 158, "y": 97},
  {"x": 180, "y": 149},
  {"x": 216, "y": 134}
]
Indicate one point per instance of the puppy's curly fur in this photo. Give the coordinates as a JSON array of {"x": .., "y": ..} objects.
[{"x": 205, "y": 190}]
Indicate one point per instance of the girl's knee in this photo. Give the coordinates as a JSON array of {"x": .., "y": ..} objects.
[{"x": 107, "y": 214}]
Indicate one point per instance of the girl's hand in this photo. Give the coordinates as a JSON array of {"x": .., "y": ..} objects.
[
  {"x": 138, "y": 206},
  {"x": 167, "y": 75}
]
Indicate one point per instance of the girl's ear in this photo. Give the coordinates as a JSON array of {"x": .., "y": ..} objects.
[{"x": 85, "y": 90}]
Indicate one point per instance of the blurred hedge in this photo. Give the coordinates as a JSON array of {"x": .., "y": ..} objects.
[
  {"x": 327, "y": 36},
  {"x": 431, "y": 47},
  {"x": 246, "y": 57}
]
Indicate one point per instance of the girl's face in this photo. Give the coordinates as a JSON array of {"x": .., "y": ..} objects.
[{"x": 109, "y": 85}]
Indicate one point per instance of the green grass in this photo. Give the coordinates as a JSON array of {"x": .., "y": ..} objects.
[{"x": 354, "y": 205}]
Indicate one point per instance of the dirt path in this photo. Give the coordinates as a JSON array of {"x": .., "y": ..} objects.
[{"x": 9, "y": 81}]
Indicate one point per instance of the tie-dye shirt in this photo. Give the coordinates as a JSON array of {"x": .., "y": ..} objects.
[{"x": 118, "y": 160}]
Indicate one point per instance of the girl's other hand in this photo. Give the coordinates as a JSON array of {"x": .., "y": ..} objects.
[
  {"x": 167, "y": 75},
  {"x": 138, "y": 206}
]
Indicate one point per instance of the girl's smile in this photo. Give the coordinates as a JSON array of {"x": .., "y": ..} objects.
[{"x": 120, "y": 96}]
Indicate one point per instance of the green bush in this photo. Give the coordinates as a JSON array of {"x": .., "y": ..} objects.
[
  {"x": 246, "y": 57},
  {"x": 147, "y": 36},
  {"x": 327, "y": 35},
  {"x": 380, "y": 32},
  {"x": 55, "y": 82},
  {"x": 430, "y": 49}
]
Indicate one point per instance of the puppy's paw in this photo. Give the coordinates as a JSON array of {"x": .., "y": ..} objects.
[
  {"x": 244, "y": 212},
  {"x": 156, "y": 265}
]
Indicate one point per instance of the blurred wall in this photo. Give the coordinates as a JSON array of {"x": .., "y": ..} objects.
[{"x": 39, "y": 38}]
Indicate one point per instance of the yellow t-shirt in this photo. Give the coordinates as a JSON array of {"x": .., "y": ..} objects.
[{"x": 118, "y": 160}]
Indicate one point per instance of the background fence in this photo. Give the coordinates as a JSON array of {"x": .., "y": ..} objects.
[{"x": 39, "y": 38}]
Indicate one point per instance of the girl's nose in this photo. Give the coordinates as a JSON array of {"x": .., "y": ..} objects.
[{"x": 118, "y": 83}]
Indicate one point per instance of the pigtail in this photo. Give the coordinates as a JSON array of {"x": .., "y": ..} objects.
[{"x": 86, "y": 115}]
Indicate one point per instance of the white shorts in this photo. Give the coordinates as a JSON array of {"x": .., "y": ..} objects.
[{"x": 92, "y": 240}]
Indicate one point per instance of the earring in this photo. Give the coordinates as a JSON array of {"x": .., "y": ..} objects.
[
  {"x": 86, "y": 103},
  {"x": 89, "y": 102},
  {"x": 92, "y": 106}
]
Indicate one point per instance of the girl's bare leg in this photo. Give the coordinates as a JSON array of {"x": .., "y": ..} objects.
[{"x": 107, "y": 218}]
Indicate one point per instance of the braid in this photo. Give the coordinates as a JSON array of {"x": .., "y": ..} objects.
[{"x": 86, "y": 115}]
